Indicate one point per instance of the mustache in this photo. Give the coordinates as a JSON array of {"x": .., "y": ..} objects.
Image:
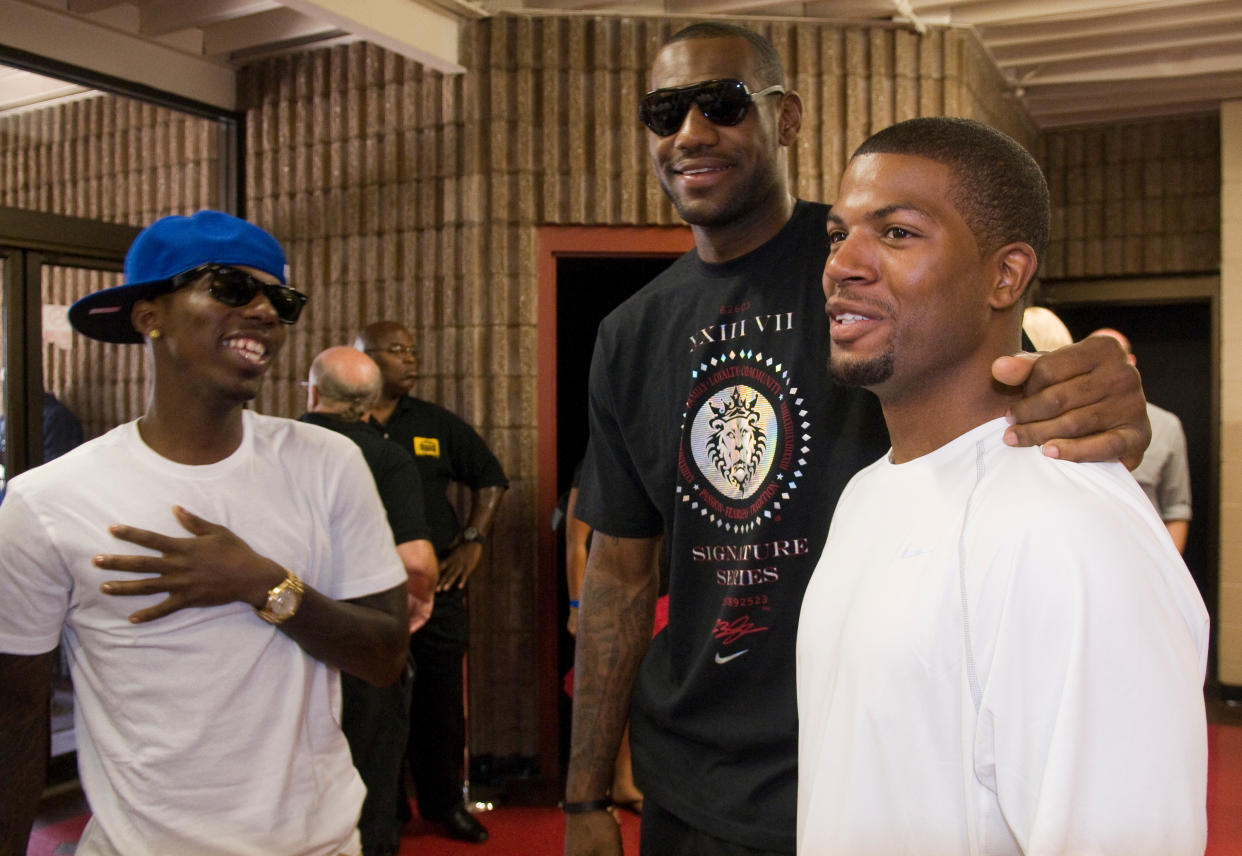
[{"x": 860, "y": 297}]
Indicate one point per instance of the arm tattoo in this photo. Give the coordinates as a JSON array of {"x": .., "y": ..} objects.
[{"x": 614, "y": 629}]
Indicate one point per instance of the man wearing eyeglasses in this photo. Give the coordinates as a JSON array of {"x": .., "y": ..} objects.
[
  {"x": 716, "y": 429},
  {"x": 343, "y": 383},
  {"x": 208, "y": 572},
  {"x": 446, "y": 450}
]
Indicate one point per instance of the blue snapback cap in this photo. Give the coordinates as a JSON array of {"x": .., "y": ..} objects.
[{"x": 170, "y": 246}]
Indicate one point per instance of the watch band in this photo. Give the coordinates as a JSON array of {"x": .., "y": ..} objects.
[{"x": 283, "y": 600}]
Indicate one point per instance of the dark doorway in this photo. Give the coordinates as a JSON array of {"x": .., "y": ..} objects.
[
  {"x": 588, "y": 288},
  {"x": 1173, "y": 345}
]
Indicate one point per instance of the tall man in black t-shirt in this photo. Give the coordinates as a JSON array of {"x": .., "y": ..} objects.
[
  {"x": 715, "y": 426},
  {"x": 376, "y": 720},
  {"x": 446, "y": 450}
]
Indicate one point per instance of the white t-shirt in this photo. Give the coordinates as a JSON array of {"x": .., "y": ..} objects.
[
  {"x": 1000, "y": 653},
  {"x": 207, "y": 731}
]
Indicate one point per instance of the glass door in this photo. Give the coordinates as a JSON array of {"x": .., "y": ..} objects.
[{"x": 57, "y": 388}]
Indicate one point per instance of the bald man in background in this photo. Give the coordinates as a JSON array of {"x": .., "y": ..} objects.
[
  {"x": 447, "y": 450},
  {"x": 1164, "y": 473},
  {"x": 343, "y": 383}
]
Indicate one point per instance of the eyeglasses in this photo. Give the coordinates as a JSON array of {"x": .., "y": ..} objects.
[
  {"x": 722, "y": 102},
  {"x": 235, "y": 288},
  {"x": 396, "y": 350}
]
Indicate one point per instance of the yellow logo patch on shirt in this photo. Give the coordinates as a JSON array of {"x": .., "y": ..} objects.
[{"x": 427, "y": 447}]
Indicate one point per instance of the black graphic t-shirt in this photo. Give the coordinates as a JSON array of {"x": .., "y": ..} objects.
[
  {"x": 714, "y": 421},
  {"x": 396, "y": 477},
  {"x": 446, "y": 450}
]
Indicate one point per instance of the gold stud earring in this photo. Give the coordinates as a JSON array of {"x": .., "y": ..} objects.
[{"x": 155, "y": 333}]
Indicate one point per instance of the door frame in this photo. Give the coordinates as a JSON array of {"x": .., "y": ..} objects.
[
  {"x": 28, "y": 241},
  {"x": 1153, "y": 291},
  {"x": 551, "y": 244}
]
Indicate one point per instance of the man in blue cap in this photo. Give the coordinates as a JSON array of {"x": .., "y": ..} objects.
[{"x": 207, "y": 571}]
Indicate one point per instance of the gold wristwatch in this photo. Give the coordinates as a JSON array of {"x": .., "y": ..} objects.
[{"x": 283, "y": 600}]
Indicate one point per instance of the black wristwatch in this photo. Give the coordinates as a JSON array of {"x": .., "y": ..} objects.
[{"x": 472, "y": 534}]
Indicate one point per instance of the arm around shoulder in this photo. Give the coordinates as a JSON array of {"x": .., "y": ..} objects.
[{"x": 1083, "y": 401}]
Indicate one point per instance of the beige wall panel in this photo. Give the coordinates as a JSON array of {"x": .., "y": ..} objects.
[
  {"x": 1149, "y": 178},
  {"x": 580, "y": 108},
  {"x": 833, "y": 110},
  {"x": 856, "y": 118},
  {"x": 881, "y": 83},
  {"x": 906, "y": 84}
]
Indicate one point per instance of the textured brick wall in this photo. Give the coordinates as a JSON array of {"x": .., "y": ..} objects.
[
  {"x": 108, "y": 158},
  {"x": 1135, "y": 199},
  {"x": 376, "y": 175},
  {"x": 113, "y": 159}
]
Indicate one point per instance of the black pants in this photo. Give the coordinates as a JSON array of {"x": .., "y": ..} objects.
[
  {"x": 437, "y": 735},
  {"x": 665, "y": 834},
  {"x": 376, "y": 722}
]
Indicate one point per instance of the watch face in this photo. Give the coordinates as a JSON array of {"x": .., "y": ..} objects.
[
  {"x": 470, "y": 534},
  {"x": 284, "y": 604}
]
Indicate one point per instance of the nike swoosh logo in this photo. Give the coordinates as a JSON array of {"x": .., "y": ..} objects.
[
  {"x": 909, "y": 553},
  {"x": 722, "y": 660}
]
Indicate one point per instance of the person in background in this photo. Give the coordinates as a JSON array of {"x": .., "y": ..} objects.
[
  {"x": 978, "y": 608},
  {"x": 210, "y": 570},
  {"x": 343, "y": 383},
  {"x": 62, "y": 431},
  {"x": 446, "y": 450},
  {"x": 1164, "y": 473},
  {"x": 1044, "y": 329},
  {"x": 715, "y": 427}
]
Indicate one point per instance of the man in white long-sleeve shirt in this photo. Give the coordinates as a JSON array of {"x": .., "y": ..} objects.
[{"x": 998, "y": 652}]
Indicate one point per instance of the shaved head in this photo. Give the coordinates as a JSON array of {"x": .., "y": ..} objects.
[
  {"x": 1110, "y": 333},
  {"x": 379, "y": 334},
  {"x": 346, "y": 381},
  {"x": 1114, "y": 334}
]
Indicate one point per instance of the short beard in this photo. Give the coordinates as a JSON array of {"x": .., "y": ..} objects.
[
  {"x": 864, "y": 373},
  {"x": 694, "y": 215},
  {"x": 762, "y": 185}
]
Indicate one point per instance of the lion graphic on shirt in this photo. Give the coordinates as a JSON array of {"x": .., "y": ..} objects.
[{"x": 737, "y": 440}]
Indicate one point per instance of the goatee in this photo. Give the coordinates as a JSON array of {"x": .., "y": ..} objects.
[{"x": 862, "y": 373}]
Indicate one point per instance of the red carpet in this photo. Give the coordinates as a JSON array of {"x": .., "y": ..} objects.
[
  {"x": 539, "y": 830},
  {"x": 515, "y": 831},
  {"x": 1224, "y": 799},
  {"x": 46, "y": 841}
]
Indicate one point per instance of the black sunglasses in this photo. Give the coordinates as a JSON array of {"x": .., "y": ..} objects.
[
  {"x": 235, "y": 288},
  {"x": 722, "y": 102}
]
